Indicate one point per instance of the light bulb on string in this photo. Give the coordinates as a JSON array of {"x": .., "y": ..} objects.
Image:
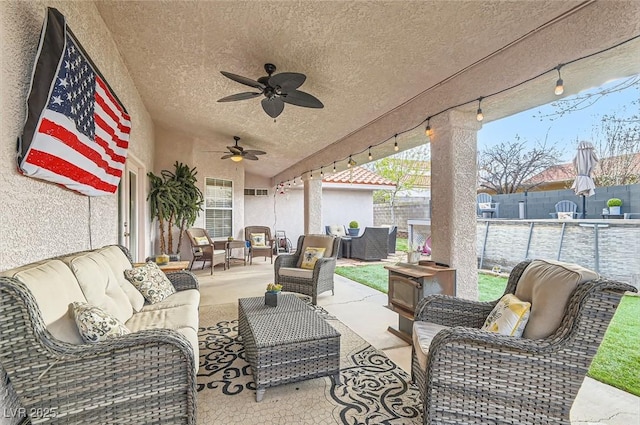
[
  {"x": 395, "y": 143},
  {"x": 334, "y": 166},
  {"x": 428, "y": 131},
  {"x": 370, "y": 156},
  {"x": 559, "y": 84},
  {"x": 349, "y": 162},
  {"x": 479, "y": 114},
  {"x": 321, "y": 173},
  {"x": 311, "y": 175}
]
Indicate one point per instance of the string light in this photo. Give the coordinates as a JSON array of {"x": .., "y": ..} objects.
[
  {"x": 321, "y": 173},
  {"x": 559, "y": 84},
  {"x": 479, "y": 114},
  {"x": 427, "y": 131},
  {"x": 370, "y": 156},
  {"x": 311, "y": 175},
  {"x": 559, "y": 89}
]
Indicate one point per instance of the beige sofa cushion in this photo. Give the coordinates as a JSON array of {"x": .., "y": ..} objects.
[
  {"x": 422, "y": 335},
  {"x": 100, "y": 285},
  {"x": 317, "y": 241},
  {"x": 54, "y": 287},
  {"x": 182, "y": 318},
  {"x": 547, "y": 285},
  {"x": 119, "y": 263},
  {"x": 295, "y": 272},
  {"x": 190, "y": 297}
]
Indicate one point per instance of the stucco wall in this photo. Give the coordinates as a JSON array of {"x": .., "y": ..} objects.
[
  {"x": 341, "y": 206},
  {"x": 39, "y": 219}
]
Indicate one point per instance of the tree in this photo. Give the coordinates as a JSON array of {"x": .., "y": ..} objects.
[
  {"x": 585, "y": 100},
  {"x": 506, "y": 167},
  {"x": 404, "y": 169},
  {"x": 618, "y": 146}
]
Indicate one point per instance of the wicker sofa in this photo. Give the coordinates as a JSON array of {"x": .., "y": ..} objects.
[{"x": 147, "y": 376}]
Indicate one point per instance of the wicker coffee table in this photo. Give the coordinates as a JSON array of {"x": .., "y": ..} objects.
[{"x": 287, "y": 343}]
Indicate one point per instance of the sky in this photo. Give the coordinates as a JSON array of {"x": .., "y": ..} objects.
[{"x": 565, "y": 130}]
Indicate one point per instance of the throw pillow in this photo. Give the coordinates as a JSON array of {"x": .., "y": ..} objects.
[
  {"x": 152, "y": 283},
  {"x": 258, "y": 239},
  {"x": 201, "y": 240},
  {"x": 311, "y": 256},
  {"x": 508, "y": 317},
  {"x": 95, "y": 324},
  {"x": 484, "y": 205},
  {"x": 565, "y": 216}
]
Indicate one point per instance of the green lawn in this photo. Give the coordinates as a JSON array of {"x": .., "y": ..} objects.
[{"x": 617, "y": 362}]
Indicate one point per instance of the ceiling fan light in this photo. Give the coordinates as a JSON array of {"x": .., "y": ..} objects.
[{"x": 236, "y": 158}]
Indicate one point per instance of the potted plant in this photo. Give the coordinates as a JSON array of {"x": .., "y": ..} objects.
[
  {"x": 271, "y": 296},
  {"x": 354, "y": 228},
  {"x": 175, "y": 201},
  {"x": 614, "y": 205}
]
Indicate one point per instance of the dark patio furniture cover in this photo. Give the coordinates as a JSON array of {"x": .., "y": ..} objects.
[{"x": 372, "y": 245}]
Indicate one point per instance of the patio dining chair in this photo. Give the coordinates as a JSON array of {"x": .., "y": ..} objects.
[{"x": 471, "y": 369}]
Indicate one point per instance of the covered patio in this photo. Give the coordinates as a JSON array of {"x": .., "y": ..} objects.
[{"x": 385, "y": 72}]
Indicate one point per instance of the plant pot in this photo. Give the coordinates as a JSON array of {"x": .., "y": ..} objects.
[
  {"x": 413, "y": 257},
  {"x": 162, "y": 259},
  {"x": 353, "y": 232},
  {"x": 614, "y": 210},
  {"x": 271, "y": 298}
]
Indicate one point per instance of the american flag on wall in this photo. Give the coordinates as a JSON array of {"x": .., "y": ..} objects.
[{"x": 77, "y": 131}]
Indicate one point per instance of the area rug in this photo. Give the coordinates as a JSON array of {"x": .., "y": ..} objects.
[{"x": 371, "y": 389}]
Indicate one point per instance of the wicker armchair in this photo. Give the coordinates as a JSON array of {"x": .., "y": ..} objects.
[
  {"x": 263, "y": 246},
  {"x": 372, "y": 245},
  {"x": 308, "y": 282},
  {"x": 473, "y": 376},
  {"x": 143, "y": 377},
  {"x": 203, "y": 249}
]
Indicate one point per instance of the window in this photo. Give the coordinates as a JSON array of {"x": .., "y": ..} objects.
[
  {"x": 256, "y": 192},
  {"x": 218, "y": 207}
]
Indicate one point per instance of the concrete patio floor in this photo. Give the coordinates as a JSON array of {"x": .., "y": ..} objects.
[{"x": 362, "y": 309}]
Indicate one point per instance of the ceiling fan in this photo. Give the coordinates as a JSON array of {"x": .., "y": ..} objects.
[
  {"x": 237, "y": 153},
  {"x": 277, "y": 90}
]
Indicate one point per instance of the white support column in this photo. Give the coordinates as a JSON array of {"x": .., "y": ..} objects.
[
  {"x": 453, "y": 197},
  {"x": 312, "y": 205}
]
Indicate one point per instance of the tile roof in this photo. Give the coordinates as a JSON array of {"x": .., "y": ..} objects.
[{"x": 357, "y": 175}]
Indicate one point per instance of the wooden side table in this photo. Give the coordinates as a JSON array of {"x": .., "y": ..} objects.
[
  {"x": 171, "y": 266},
  {"x": 229, "y": 246}
]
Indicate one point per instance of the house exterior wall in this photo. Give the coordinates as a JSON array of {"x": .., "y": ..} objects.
[
  {"x": 342, "y": 206},
  {"x": 259, "y": 210},
  {"x": 39, "y": 214}
]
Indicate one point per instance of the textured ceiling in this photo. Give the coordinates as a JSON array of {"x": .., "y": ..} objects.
[{"x": 362, "y": 60}]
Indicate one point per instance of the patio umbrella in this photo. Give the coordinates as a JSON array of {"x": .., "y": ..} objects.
[{"x": 584, "y": 162}]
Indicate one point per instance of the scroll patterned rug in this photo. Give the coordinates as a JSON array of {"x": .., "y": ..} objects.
[{"x": 372, "y": 389}]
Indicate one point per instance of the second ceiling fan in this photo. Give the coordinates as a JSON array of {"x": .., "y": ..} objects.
[{"x": 277, "y": 90}]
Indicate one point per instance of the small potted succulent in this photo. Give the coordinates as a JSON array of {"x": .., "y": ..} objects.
[
  {"x": 614, "y": 205},
  {"x": 271, "y": 296},
  {"x": 354, "y": 228}
]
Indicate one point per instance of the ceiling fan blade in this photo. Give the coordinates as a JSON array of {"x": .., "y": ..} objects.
[
  {"x": 287, "y": 80},
  {"x": 255, "y": 152},
  {"x": 239, "y": 96},
  {"x": 227, "y": 156},
  {"x": 300, "y": 98},
  {"x": 249, "y": 156},
  {"x": 243, "y": 80},
  {"x": 273, "y": 106},
  {"x": 235, "y": 149}
]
